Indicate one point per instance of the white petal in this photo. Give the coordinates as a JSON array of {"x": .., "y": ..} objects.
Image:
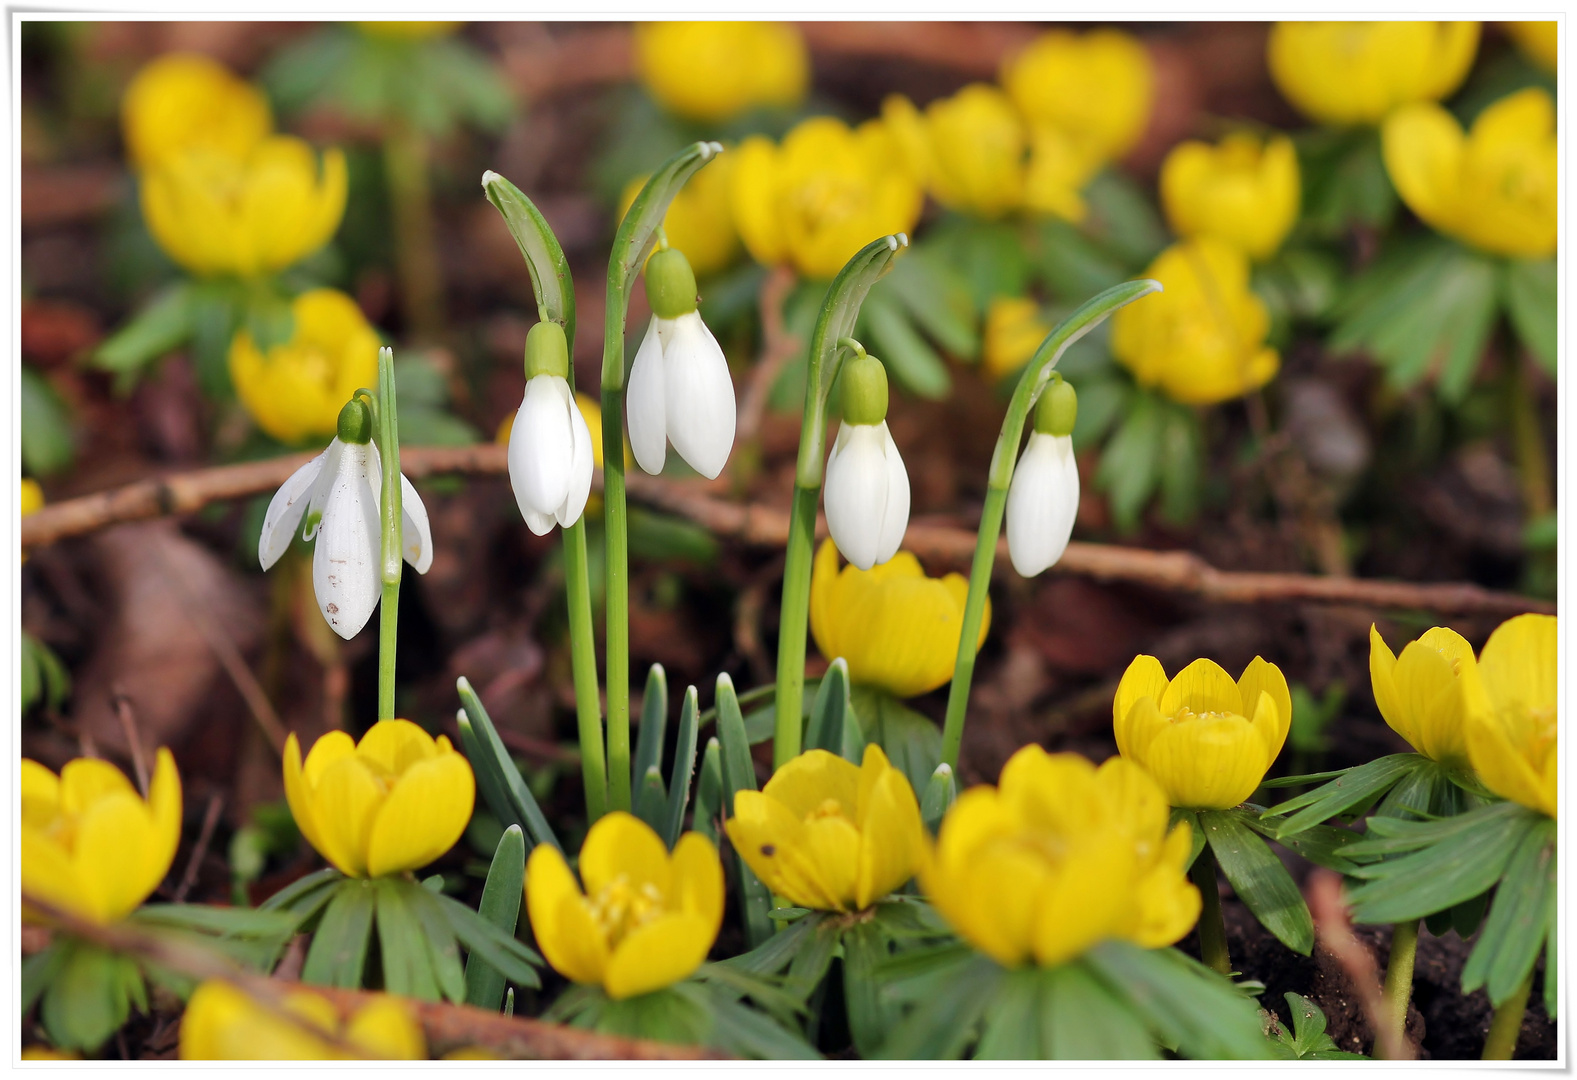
[
  {"x": 701, "y": 414},
  {"x": 345, "y": 562},
  {"x": 581, "y": 465},
  {"x": 541, "y": 446},
  {"x": 415, "y": 533},
  {"x": 320, "y": 490},
  {"x": 285, "y": 510},
  {"x": 895, "y": 515},
  {"x": 540, "y": 524},
  {"x": 645, "y": 403},
  {"x": 856, "y": 493},
  {"x": 665, "y": 331},
  {"x": 1043, "y": 500}
]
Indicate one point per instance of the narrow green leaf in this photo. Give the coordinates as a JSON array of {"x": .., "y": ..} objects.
[
  {"x": 651, "y": 800},
  {"x": 1519, "y": 918},
  {"x": 1011, "y": 1028},
  {"x": 912, "y": 362},
  {"x": 683, "y": 767},
  {"x": 1261, "y": 881},
  {"x": 810, "y": 963},
  {"x": 912, "y": 742},
  {"x": 1458, "y": 867},
  {"x": 943, "y": 1024},
  {"x": 501, "y": 896},
  {"x": 551, "y": 279},
  {"x": 443, "y": 950},
  {"x": 39, "y": 971},
  {"x": 1081, "y": 1020},
  {"x": 739, "y": 773},
  {"x": 520, "y": 805},
  {"x": 940, "y": 792},
  {"x": 654, "y": 726},
  {"x": 1130, "y": 464},
  {"x": 774, "y": 954},
  {"x": 157, "y": 329},
  {"x": 517, "y": 962},
  {"x": 1322, "y": 845},
  {"x": 89, "y": 998},
  {"x": 407, "y": 968},
  {"x": 1532, "y": 302},
  {"x": 637, "y": 230},
  {"x": 743, "y": 1031},
  {"x": 299, "y": 888},
  {"x": 46, "y": 441},
  {"x": 709, "y": 792},
  {"x": 338, "y": 951},
  {"x": 1187, "y": 1004},
  {"x": 277, "y": 923},
  {"x": 829, "y": 710}
]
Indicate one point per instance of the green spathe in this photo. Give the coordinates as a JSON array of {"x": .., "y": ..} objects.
[
  {"x": 670, "y": 284},
  {"x": 864, "y": 390},
  {"x": 1058, "y": 408},
  {"x": 547, "y": 351},
  {"x": 355, "y": 422}
]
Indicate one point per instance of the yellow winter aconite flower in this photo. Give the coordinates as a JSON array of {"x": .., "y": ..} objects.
[
  {"x": 217, "y": 214},
  {"x": 971, "y": 147},
  {"x": 825, "y": 833},
  {"x": 1241, "y": 191},
  {"x": 1538, "y": 40},
  {"x": 1495, "y": 187},
  {"x": 646, "y": 918},
  {"x": 224, "y": 1023},
  {"x": 1357, "y": 72},
  {"x": 32, "y": 496},
  {"x": 1013, "y": 332},
  {"x": 184, "y": 101},
  {"x": 896, "y": 628},
  {"x": 409, "y": 29},
  {"x": 295, "y": 391},
  {"x": 1202, "y": 340},
  {"x": 825, "y": 192},
  {"x": 699, "y": 221},
  {"x": 716, "y": 70},
  {"x": 1511, "y": 733},
  {"x": 1096, "y": 87},
  {"x": 393, "y": 802},
  {"x": 1424, "y": 694},
  {"x": 1207, "y": 740},
  {"x": 90, "y": 844},
  {"x": 1060, "y": 857}
]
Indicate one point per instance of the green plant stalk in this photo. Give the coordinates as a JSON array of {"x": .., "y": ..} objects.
[
  {"x": 1212, "y": 926},
  {"x": 405, "y": 164},
  {"x": 392, "y": 544},
  {"x": 1501, "y": 1042},
  {"x": 583, "y": 664},
  {"x": 1003, "y": 460},
  {"x": 1399, "y": 976},
  {"x": 793, "y": 622}
]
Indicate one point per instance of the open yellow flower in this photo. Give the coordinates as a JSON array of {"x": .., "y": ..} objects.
[
  {"x": 296, "y": 391},
  {"x": 393, "y": 802},
  {"x": 827, "y": 834},
  {"x": 717, "y": 70},
  {"x": 185, "y": 101},
  {"x": 1060, "y": 857},
  {"x": 1494, "y": 187},
  {"x": 699, "y": 221},
  {"x": 217, "y": 214},
  {"x": 646, "y": 919},
  {"x": 1207, "y": 740},
  {"x": 1425, "y": 693},
  {"x": 1242, "y": 191},
  {"x": 971, "y": 148},
  {"x": 90, "y": 844},
  {"x": 1357, "y": 72},
  {"x": 896, "y": 628},
  {"x": 1202, "y": 340},
  {"x": 1013, "y": 332},
  {"x": 1096, "y": 87},
  {"x": 1538, "y": 41},
  {"x": 1511, "y": 732},
  {"x": 224, "y": 1023},
  {"x": 825, "y": 192}
]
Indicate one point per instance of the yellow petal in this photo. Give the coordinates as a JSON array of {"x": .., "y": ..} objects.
[
  {"x": 1263, "y": 677},
  {"x": 1503, "y": 766},
  {"x": 622, "y": 844},
  {"x": 1210, "y": 762},
  {"x": 49, "y": 874},
  {"x": 1145, "y": 678},
  {"x": 84, "y": 781},
  {"x": 1052, "y": 792},
  {"x": 115, "y": 846},
  {"x": 423, "y": 816},
  {"x": 772, "y": 842},
  {"x": 890, "y": 837},
  {"x": 1202, "y": 687},
  {"x": 997, "y": 908},
  {"x": 806, "y": 782},
  {"x": 1519, "y": 663},
  {"x": 1430, "y": 693},
  {"x": 1382, "y": 678},
  {"x": 40, "y": 794},
  {"x": 823, "y": 584},
  {"x": 569, "y": 937},
  {"x": 325, "y": 752},
  {"x": 1168, "y": 903},
  {"x": 385, "y": 1028},
  {"x": 345, "y": 806},
  {"x": 1423, "y": 148},
  {"x": 1126, "y": 784},
  {"x": 164, "y": 808},
  {"x": 1084, "y": 902},
  {"x": 298, "y": 793},
  {"x": 832, "y": 845},
  {"x": 396, "y": 745},
  {"x": 754, "y": 196},
  {"x": 697, "y": 880},
  {"x": 657, "y": 954}
]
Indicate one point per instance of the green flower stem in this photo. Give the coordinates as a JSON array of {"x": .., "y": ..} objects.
[
  {"x": 1037, "y": 374},
  {"x": 1501, "y": 1042},
  {"x": 793, "y": 621},
  {"x": 617, "y": 568},
  {"x": 583, "y": 663},
  {"x": 388, "y": 428},
  {"x": 406, "y": 154},
  {"x": 1212, "y": 926},
  {"x": 1399, "y": 976}
]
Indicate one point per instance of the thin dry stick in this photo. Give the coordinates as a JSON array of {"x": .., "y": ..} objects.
[
  {"x": 778, "y": 347},
  {"x": 128, "y": 724},
  {"x": 1330, "y": 921},
  {"x": 205, "y": 836}
]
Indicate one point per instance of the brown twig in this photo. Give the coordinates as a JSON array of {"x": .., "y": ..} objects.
[
  {"x": 1335, "y": 931},
  {"x": 205, "y": 836},
  {"x": 128, "y": 723},
  {"x": 942, "y": 546},
  {"x": 778, "y": 347}
]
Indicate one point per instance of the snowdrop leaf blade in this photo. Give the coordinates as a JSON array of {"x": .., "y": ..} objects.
[
  {"x": 700, "y": 393},
  {"x": 646, "y": 404},
  {"x": 550, "y": 271},
  {"x": 285, "y": 510}
]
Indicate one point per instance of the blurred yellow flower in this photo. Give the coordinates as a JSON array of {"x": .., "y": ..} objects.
[
  {"x": 216, "y": 214},
  {"x": 1357, "y": 72},
  {"x": 1202, "y": 340},
  {"x": 1241, "y": 191},
  {"x": 1207, "y": 740},
  {"x": 224, "y": 1023},
  {"x": 1014, "y": 330},
  {"x": 1060, "y": 857},
  {"x": 824, "y": 193},
  {"x": 896, "y": 628},
  {"x": 296, "y": 391},
  {"x": 1424, "y": 694},
  {"x": 40, "y": 1052},
  {"x": 646, "y": 919},
  {"x": 1538, "y": 40},
  {"x": 90, "y": 844},
  {"x": 970, "y": 148},
  {"x": 184, "y": 101},
  {"x": 699, "y": 221},
  {"x": 409, "y": 29},
  {"x": 716, "y": 70},
  {"x": 825, "y": 833},
  {"x": 1096, "y": 87},
  {"x": 1495, "y": 187},
  {"x": 32, "y": 496},
  {"x": 1511, "y": 731},
  {"x": 393, "y": 802}
]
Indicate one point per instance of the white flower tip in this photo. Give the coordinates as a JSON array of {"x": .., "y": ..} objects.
[
  {"x": 488, "y": 177},
  {"x": 710, "y": 150},
  {"x": 943, "y": 769},
  {"x": 385, "y": 352},
  {"x": 723, "y": 680},
  {"x": 897, "y": 240},
  {"x": 1155, "y": 286}
]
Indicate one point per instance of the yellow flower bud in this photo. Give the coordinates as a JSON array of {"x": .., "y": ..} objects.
[
  {"x": 296, "y": 391},
  {"x": 393, "y": 802},
  {"x": 825, "y": 192},
  {"x": 1357, "y": 72},
  {"x": 216, "y": 214},
  {"x": 1538, "y": 41},
  {"x": 409, "y": 29},
  {"x": 1495, "y": 187},
  {"x": 896, "y": 628},
  {"x": 1060, "y": 857},
  {"x": 1241, "y": 191},
  {"x": 1202, "y": 340},
  {"x": 90, "y": 844},
  {"x": 646, "y": 919},
  {"x": 224, "y": 1023},
  {"x": 1511, "y": 730},
  {"x": 1013, "y": 332},
  {"x": 825, "y": 833},
  {"x": 1207, "y": 740},
  {"x": 183, "y": 101},
  {"x": 1096, "y": 87},
  {"x": 699, "y": 221},
  {"x": 1424, "y": 694},
  {"x": 716, "y": 70}
]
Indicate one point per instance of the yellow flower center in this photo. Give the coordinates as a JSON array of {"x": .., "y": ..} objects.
[
  {"x": 828, "y": 808},
  {"x": 1541, "y": 725},
  {"x": 621, "y": 908},
  {"x": 1184, "y": 714}
]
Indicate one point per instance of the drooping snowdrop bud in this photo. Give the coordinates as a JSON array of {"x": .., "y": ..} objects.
[
  {"x": 338, "y": 492},
  {"x": 1043, "y": 498},
  {"x": 867, "y": 488},
  {"x": 550, "y": 454},
  {"x": 680, "y": 391}
]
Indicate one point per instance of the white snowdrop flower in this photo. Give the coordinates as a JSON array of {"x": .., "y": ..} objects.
[
  {"x": 680, "y": 391},
  {"x": 550, "y": 451},
  {"x": 1043, "y": 498},
  {"x": 867, "y": 487},
  {"x": 338, "y": 492}
]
